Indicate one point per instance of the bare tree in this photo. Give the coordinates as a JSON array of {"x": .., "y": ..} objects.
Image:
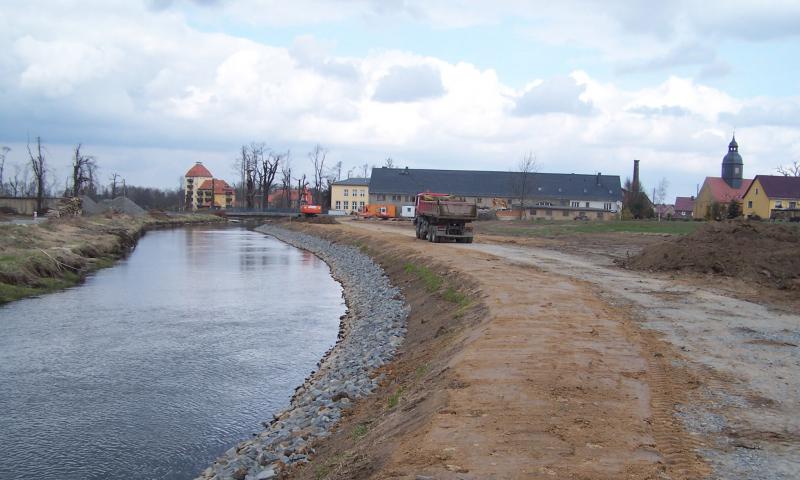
[
  {"x": 337, "y": 168},
  {"x": 39, "y": 169},
  {"x": 388, "y": 163},
  {"x": 317, "y": 157},
  {"x": 15, "y": 184},
  {"x": 302, "y": 186},
  {"x": 83, "y": 172},
  {"x": 114, "y": 178},
  {"x": 3, "y": 151},
  {"x": 792, "y": 170},
  {"x": 286, "y": 181},
  {"x": 268, "y": 167},
  {"x": 660, "y": 195},
  {"x": 523, "y": 180}
]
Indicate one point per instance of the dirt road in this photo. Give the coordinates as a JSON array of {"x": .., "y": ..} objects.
[{"x": 583, "y": 370}]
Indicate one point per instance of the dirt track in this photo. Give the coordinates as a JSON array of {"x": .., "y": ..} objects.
[{"x": 583, "y": 370}]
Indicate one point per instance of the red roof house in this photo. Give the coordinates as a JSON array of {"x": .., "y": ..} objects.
[{"x": 198, "y": 170}]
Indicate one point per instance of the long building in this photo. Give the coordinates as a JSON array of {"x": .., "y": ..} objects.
[{"x": 547, "y": 195}]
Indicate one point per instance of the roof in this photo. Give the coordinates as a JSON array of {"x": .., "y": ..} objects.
[
  {"x": 198, "y": 170},
  {"x": 352, "y": 181},
  {"x": 722, "y": 192},
  {"x": 472, "y": 183},
  {"x": 684, "y": 204},
  {"x": 220, "y": 186},
  {"x": 664, "y": 209},
  {"x": 779, "y": 186}
]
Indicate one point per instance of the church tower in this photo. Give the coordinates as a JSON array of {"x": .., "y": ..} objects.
[{"x": 732, "y": 165}]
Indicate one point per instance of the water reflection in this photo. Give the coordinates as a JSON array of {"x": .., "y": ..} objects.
[{"x": 154, "y": 367}]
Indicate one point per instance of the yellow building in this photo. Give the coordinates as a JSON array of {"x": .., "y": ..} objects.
[
  {"x": 195, "y": 177},
  {"x": 198, "y": 184},
  {"x": 772, "y": 196},
  {"x": 223, "y": 194},
  {"x": 350, "y": 195}
]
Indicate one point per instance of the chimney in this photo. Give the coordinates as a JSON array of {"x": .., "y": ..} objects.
[
  {"x": 598, "y": 178},
  {"x": 635, "y": 184}
]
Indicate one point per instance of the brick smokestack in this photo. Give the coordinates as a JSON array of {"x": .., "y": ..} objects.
[{"x": 635, "y": 184}]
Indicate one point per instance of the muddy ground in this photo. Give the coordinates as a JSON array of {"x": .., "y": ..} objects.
[{"x": 533, "y": 357}]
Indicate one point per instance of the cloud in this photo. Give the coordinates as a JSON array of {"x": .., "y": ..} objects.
[
  {"x": 555, "y": 95},
  {"x": 765, "y": 112},
  {"x": 681, "y": 55},
  {"x": 409, "y": 84},
  {"x": 663, "y": 110}
]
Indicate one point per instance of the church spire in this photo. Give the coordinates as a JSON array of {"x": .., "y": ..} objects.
[{"x": 732, "y": 165}]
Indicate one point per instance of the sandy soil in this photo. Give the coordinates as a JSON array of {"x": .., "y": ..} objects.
[{"x": 579, "y": 369}]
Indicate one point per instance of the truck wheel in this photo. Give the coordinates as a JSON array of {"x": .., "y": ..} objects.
[
  {"x": 432, "y": 234},
  {"x": 468, "y": 239}
]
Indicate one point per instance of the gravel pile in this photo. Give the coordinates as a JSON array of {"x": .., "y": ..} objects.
[{"x": 368, "y": 338}]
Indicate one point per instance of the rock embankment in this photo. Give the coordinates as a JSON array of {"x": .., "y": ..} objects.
[{"x": 369, "y": 335}]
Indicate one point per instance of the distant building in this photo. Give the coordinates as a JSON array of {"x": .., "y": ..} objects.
[
  {"x": 665, "y": 211},
  {"x": 350, "y": 195},
  {"x": 277, "y": 199},
  {"x": 771, "y": 196},
  {"x": 560, "y": 196},
  {"x": 722, "y": 190},
  {"x": 684, "y": 207},
  {"x": 198, "y": 184},
  {"x": 223, "y": 195}
]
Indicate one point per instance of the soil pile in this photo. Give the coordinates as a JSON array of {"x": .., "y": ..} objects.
[{"x": 760, "y": 252}]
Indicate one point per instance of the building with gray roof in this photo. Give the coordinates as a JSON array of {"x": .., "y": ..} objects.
[{"x": 570, "y": 195}]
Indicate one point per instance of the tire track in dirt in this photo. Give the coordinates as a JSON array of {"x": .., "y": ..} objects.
[{"x": 556, "y": 383}]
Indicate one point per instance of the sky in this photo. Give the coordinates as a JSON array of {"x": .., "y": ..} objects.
[{"x": 149, "y": 87}]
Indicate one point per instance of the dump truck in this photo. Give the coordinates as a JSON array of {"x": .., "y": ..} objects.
[{"x": 441, "y": 216}]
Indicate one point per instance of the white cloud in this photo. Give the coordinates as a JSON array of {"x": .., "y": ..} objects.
[
  {"x": 409, "y": 84},
  {"x": 555, "y": 95},
  {"x": 147, "y": 82}
]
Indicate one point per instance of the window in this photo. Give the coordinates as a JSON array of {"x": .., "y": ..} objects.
[
  {"x": 565, "y": 213},
  {"x": 362, "y": 192},
  {"x": 607, "y": 206},
  {"x": 345, "y": 192},
  {"x": 361, "y": 205},
  {"x": 381, "y": 197},
  {"x": 549, "y": 213},
  {"x": 749, "y": 204},
  {"x": 599, "y": 214},
  {"x": 338, "y": 204},
  {"x": 346, "y": 205},
  {"x": 793, "y": 205},
  {"x": 533, "y": 213},
  {"x": 544, "y": 204},
  {"x": 778, "y": 203},
  {"x": 756, "y": 191},
  {"x": 575, "y": 204},
  {"x": 480, "y": 200},
  {"x": 587, "y": 204},
  {"x": 736, "y": 170}
]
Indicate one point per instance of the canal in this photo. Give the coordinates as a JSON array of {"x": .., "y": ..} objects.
[{"x": 152, "y": 368}]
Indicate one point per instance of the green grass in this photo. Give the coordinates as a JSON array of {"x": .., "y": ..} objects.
[
  {"x": 431, "y": 280},
  {"x": 10, "y": 293},
  {"x": 359, "y": 431},
  {"x": 555, "y": 229},
  {"x": 454, "y": 296},
  {"x": 394, "y": 398},
  {"x": 422, "y": 370}
]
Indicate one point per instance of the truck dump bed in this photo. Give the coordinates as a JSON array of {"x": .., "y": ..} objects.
[{"x": 446, "y": 207}]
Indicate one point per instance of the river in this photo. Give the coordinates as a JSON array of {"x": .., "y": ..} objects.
[{"x": 152, "y": 368}]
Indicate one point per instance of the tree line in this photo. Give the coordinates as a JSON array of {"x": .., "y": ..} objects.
[
  {"x": 35, "y": 178},
  {"x": 268, "y": 178}
]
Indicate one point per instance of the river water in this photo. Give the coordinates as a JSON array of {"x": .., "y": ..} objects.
[{"x": 152, "y": 368}]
